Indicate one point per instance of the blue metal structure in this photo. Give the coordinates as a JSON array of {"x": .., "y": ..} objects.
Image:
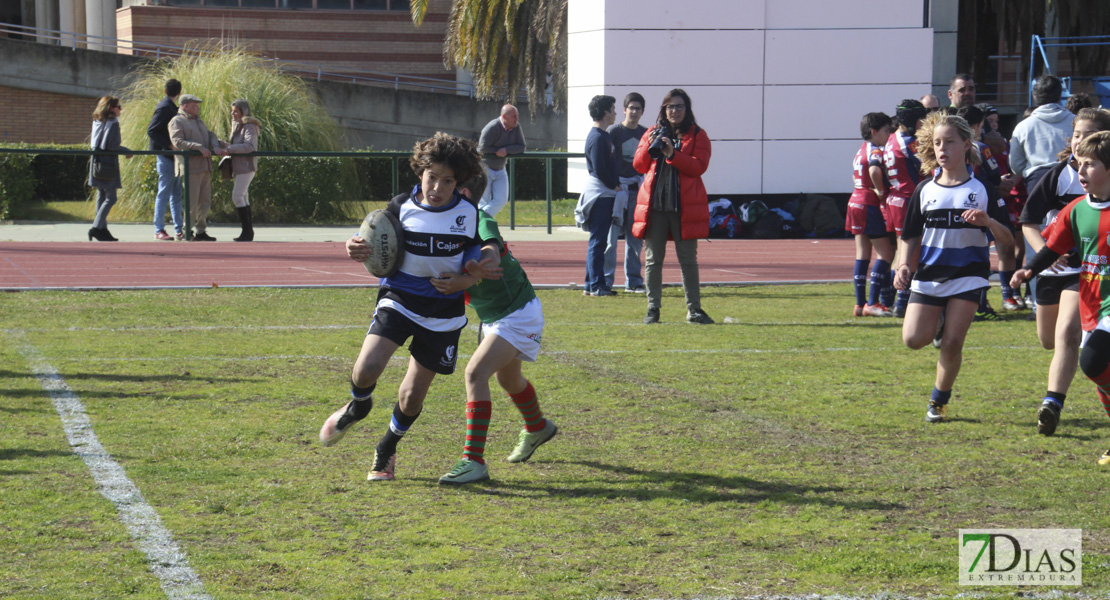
[{"x": 1102, "y": 84}]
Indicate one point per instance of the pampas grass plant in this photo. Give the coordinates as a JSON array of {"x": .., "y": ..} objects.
[{"x": 292, "y": 120}]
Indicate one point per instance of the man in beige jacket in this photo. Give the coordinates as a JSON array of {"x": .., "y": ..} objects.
[{"x": 188, "y": 132}]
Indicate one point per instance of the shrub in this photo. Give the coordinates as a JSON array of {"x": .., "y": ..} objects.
[
  {"x": 61, "y": 177},
  {"x": 290, "y": 190},
  {"x": 375, "y": 178},
  {"x": 17, "y": 182},
  {"x": 286, "y": 189},
  {"x": 529, "y": 178}
]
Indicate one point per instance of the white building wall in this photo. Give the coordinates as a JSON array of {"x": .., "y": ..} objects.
[{"x": 779, "y": 85}]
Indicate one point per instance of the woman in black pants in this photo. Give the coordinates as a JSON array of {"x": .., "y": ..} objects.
[{"x": 105, "y": 136}]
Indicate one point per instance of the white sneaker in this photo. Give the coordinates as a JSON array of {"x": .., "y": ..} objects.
[
  {"x": 330, "y": 433},
  {"x": 383, "y": 469}
]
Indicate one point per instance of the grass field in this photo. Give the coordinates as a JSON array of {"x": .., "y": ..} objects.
[{"x": 781, "y": 452}]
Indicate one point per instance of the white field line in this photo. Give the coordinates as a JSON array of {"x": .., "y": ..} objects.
[
  {"x": 736, "y": 273},
  {"x": 168, "y": 563},
  {"x": 344, "y": 274}
]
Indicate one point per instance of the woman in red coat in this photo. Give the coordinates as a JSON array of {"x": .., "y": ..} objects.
[{"x": 672, "y": 203}]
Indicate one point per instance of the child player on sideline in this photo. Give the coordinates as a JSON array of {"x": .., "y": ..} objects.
[
  {"x": 903, "y": 170},
  {"x": 1085, "y": 223},
  {"x": 511, "y": 330},
  {"x": 409, "y": 305},
  {"x": 947, "y": 221},
  {"x": 865, "y": 217}
]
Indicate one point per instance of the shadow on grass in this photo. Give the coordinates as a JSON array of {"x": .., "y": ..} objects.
[
  {"x": 1101, "y": 426},
  {"x": 14, "y": 453},
  {"x": 25, "y": 394},
  {"x": 645, "y": 485}
]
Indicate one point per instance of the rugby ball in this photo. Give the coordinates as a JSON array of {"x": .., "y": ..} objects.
[{"x": 383, "y": 233}]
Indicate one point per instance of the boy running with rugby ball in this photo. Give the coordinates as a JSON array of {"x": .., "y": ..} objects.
[{"x": 441, "y": 235}]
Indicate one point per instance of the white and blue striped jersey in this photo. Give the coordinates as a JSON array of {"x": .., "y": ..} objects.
[
  {"x": 955, "y": 256},
  {"x": 437, "y": 240}
]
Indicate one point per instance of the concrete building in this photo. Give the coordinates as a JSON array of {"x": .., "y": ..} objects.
[
  {"x": 343, "y": 35},
  {"x": 779, "y": 85}
]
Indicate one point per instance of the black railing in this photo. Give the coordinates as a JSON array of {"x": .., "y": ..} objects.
[{"x": 393, "y": 156}]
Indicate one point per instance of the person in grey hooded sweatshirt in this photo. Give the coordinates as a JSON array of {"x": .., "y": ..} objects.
[{"x": 1037, "y": 140}]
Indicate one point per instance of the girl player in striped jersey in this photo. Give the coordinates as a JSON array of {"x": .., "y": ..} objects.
[
  {"x": 1085, "y": 224},
  {"x": 903, "y": 170},
  {"x": 865, "y": 218},
  {"x": 441, "y": 235},
  {"x": 944, "y": 248}
]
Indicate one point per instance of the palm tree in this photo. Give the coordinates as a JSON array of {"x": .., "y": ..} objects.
[{"x": 507, "y": 45}]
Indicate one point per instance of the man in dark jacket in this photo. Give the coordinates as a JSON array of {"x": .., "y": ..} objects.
[{"x": 169, "y": 186}]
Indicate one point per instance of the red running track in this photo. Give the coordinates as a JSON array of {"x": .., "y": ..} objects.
[{"x": 95, "y": 265}]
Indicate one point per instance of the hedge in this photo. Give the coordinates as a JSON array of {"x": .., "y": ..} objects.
[{"x": 26, "y": 178}]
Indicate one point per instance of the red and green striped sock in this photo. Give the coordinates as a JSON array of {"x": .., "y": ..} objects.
[
  {"x": 529, "y": 406},
  {"x": 1102, "y": 384},
  {"x": 477, "y": 426}
]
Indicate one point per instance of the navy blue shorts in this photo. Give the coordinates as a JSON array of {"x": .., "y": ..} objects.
[{"x": 436, "y": 351}]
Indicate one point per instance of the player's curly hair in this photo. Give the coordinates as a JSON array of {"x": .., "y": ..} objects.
[
  {"x": 460, "y": 155},
  {"x": 1099, "y": 117},
  {"x": 925, "y": 152}
]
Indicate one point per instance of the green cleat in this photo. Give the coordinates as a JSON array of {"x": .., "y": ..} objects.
[
  {"x": 530, "y": 441},
  {"x": 465, "y": 471}
]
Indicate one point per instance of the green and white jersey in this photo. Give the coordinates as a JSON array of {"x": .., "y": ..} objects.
[{"x": 494, "y": 299}]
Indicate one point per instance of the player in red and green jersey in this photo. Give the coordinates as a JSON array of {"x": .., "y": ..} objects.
[
  {"x": 1084, "y": 226},
  {"x": 512, "y": 328}
]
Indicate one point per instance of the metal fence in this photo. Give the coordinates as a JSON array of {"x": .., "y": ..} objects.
[{"x": 395, "y": 158}]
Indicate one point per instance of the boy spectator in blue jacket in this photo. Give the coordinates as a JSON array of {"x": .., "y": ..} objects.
[{"x": 169, "y": 186}]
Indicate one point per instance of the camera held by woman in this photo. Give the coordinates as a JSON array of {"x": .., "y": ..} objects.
[{"x": 660, "y": 138}]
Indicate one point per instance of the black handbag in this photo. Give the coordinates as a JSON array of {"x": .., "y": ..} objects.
[{"x": 103, "y": 169}]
